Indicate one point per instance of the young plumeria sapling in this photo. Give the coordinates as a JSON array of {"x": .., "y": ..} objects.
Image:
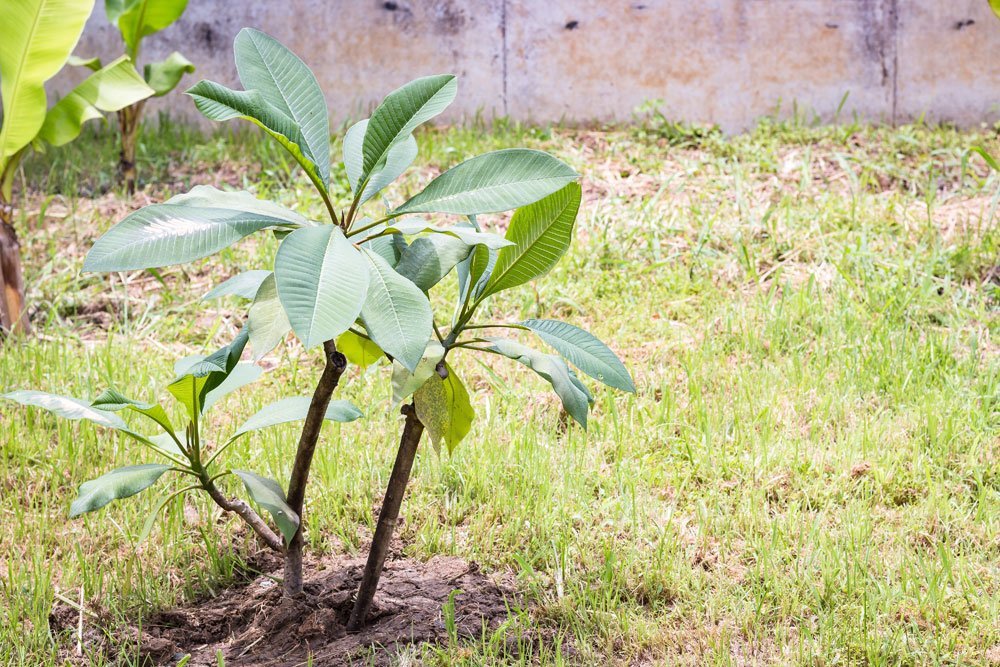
[
  {"x": 335, "y": 277},
  {"x": 200, "y": 383}
]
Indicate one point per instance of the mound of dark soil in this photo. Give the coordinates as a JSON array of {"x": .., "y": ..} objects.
[{"x": 254, "y": 626}]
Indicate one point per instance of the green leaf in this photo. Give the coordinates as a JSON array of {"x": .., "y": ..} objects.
[
  {"x": 400, "y": 113},
  {"x": 443, "y": 407},
  {"x": 396, "y": 314},
  {"x": 216, "y": 102},
  {"x": 288, "y": 85},
  {"x": 185, "y": 228},
  {"x": 243, "y": 285},
  {"x": 399, "y": 157},
  {"x": 430, "y": 258},
  {"x": 113, "y": 401},
  {"x": 141, "y": 18},
  {"x": 163, "y": 76},
  {"x": 117, "y": 484},
  {"x": 38, "y": 36},
  {"x": 576, "y": 401},
  {"x": 995, "y": 6},
  {"x": 93, "y": 64},
  {"x": 269, "y": 495},
  {"x": 267, "y": 322},
  {"x": 492, "y": 182},
  {"x": 241, "y": 375},
  {"x": 541, "y": 233},
  {"x": 198, "y": 376},
  {"x": 471, "y": 237},
  {"x": 322, "y": 281},
  {"x": 113, "y": 87},
  {"x": 295, "y": 409},
  {"x": 585, "y": 351},
  {"x": 114, "y": 9},
  {"x": 360, "y": 351},
  {"x": 404, "y": 382},
  {"x": 68, "y": 408}
]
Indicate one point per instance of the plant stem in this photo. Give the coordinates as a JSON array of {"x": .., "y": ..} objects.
[
  {"x": 412, "y": 430},
  {"x": 13, "y": 313},
  {"x": 336, "y": 364},
  {"x": 246, "y": 513},
  {"x": 128, "y": 122}
]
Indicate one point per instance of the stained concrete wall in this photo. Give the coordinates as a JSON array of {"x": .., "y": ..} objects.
[{"x": 720, "y": 61}]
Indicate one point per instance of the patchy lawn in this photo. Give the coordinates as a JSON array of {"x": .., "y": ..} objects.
[{"x": 809, "y": 474}]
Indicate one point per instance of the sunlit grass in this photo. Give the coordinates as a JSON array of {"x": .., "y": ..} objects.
[{"x": 808, "y": 474}]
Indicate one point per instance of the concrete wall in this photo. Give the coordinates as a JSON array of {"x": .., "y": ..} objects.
[{"x": 719, "y": 61}]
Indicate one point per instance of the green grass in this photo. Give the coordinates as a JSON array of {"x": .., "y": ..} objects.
[{"x": 808, "y": 475}]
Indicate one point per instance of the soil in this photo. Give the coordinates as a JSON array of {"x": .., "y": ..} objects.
[{"x": 253, "y": 625}]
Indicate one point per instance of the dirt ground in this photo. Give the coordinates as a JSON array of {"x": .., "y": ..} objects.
[{"x": 253, "y": 626}]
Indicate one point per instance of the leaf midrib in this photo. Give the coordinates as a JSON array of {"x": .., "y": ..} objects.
[
  {"x": 517, "y": 260},
  {"x": 17, "y": 79},
  {"x": 489, "y": 189}
]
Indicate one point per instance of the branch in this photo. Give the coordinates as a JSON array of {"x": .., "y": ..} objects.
[{"x": 246, "y": 513}]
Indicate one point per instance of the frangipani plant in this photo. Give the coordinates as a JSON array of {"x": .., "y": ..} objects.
[
  {"x": 135, "y": 20},
  {"x": 200, "y": 383},
  {"x": 357, "y": 284},
  {"x": 38, "y": 36}
]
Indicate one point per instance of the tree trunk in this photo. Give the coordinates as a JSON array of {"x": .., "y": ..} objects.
[
  {"x": 128, "y": 122},
  {"x": 336, "y": 364},
  {"x": 13, "y": 314},
  {"x": 387, "y": 517}
]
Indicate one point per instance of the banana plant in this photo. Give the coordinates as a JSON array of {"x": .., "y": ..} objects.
[
  {"x": 38, "y": 37},
  {"x": 136, "y": 19},
  {"x": 357, "y": 282},
  {"x": 200, "y": 383}
]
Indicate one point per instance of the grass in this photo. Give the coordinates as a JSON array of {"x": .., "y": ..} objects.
[{"x": 808, "y": 475}]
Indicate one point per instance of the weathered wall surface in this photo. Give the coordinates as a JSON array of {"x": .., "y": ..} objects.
[{"x": 719, "y": 61}]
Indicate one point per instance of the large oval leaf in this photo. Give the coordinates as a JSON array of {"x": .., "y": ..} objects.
[
  {"x": 185, "y": 228},
  {"x": 585, "y": 351},
  {"x": 444, "y": 409},
  {"x": 493, "y": 182},
  {"x": 243, "y": 285},
  {"x": 268, "y": 494},
  {"x": 216, "y": 102},
  {"x": 400, "y": 113},
  {"x": 38, "y": 36},
  {"x": 575, "y": 398},
  {"x": 322, "y": 281},
  {"x": 541, "y": 233},
  {"x": 288, "y": 85},
  {"x": 68, "y": 408},
  {"x": 266, "y": 320},
  {"x": 295, "y": 409},
  {"x": 430, "y": 258},
  {"x": 120, "y": 483},
  {"x": 396, "y": 313},
  {"x": 399, "y": 157}
]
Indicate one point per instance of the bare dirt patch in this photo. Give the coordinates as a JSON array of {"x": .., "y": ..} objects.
[{"x": 253, "y": 626}]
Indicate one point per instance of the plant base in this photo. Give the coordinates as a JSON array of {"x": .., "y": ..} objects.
[{"x": 254, "y": 624}]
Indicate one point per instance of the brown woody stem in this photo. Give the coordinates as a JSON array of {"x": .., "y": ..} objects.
[
  {"x": 246, "y": 513},
  {"x": 387, "y": 517},
  {"x": 336, "y": 364}
]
